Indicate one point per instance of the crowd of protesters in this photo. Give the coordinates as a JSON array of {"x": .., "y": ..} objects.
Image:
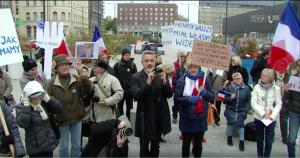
[{"x": 54, "y": 111}]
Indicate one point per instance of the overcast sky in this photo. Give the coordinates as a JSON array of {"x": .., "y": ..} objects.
[{"x": 111, "y": 6}]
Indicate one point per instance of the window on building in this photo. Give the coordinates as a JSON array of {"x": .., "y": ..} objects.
[
  {"x": 69, "y": 16},
  {"x": 156, "y": 9},
  {"x": 141, "y": 18},
  {"x": 34, "y": 16},
  {"x": 120, "y": 18},
  {"x": 42, "y": 16},
  {"x": 17, "y": 10},
  {"x": 166, "y": 9},
  {"x": 27, "y": 16},
  {"x": 146, "y": 9},
  {"x": 135, "y": 18},
  {"x": 130, "y": 18},
  {"x": 166, "y": 13},
  {"x": 151, "y": 9},
  {"x": 63, "y": 16},
  {"x": 28, "y": 31},
  {"x": 27, "y": 3},
  {"x": 34, "y": 2},
  {"x": 171, "y": 14},
  {"x": 34, "y": 31},
  {"x": 135, "y": 9},
  {"x": 130, "y": 9},
  {"x": 166, "y": 23},
  {"x": 155, "y": 18},
  {"x": 54, "y": 16},
  {"x": 146, "y": 13},
  {"x": 150, "y": 13},
  {"x": 135, "y": 13},
  {"x": 141, "y": 9},
  {"x": 121, "y": 9},
  {"x": 150, "y": 22},
  {"x": 161, "y": 9},
  {"x": 161, "y": 13},
  {"x": 146, "y": 18},
  {"x": 141, "y": 13},
  {"x": 171, "y": 9},
  {"x": 161, "y": 18}
]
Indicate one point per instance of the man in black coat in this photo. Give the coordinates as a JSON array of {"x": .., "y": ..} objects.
[
  {"x": 150, "y": 89},
  {"x": 259, "y": 64},
  {"x": 123, "y": 70}
]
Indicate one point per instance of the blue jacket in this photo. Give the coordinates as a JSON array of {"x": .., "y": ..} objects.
[
  {"x": 190, "y": 121},
  {"x": 237, "y": 108}
]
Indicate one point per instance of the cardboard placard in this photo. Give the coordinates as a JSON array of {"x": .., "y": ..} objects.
[
  {"x": 10, "y": 50},
  {"x": 213, "y": 55}
]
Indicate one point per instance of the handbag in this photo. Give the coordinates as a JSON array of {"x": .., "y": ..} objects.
[{"x": 10, "y": 100}]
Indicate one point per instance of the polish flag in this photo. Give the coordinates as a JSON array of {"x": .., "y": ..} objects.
[
  {"x": 286, "y": 42},
  {"x": 63, "y": 49}
]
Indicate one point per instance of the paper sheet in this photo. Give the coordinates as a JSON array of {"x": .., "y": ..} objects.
[{"x": 266, "y": 121}]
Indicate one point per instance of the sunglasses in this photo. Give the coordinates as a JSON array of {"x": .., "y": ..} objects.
[{"x": 237, "y": 78}]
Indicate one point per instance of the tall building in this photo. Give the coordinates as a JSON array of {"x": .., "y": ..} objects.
[
  {"x": 213, "y": 12},
  {"x": 145, "y": 17},
  {"x": 5, "y": 4},
  {"x": 77, "y": 16},
  {"x": 96, "y": 13}
]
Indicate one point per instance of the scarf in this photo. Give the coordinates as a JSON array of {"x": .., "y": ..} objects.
[
  {"x": 41, "y": 110},
  {"x": 191, "y": 88},
  {"x": 265, "y": 85}
]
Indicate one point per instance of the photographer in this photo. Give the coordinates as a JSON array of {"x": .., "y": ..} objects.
[{"x": 110, "y": 135}]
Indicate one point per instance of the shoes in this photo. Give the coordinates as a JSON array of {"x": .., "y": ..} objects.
[
  {"x": 284, "y": 141},
  {"x": 217, "y": 123},
  {"x": 162, "y": 140},
  {"x": 229, "y": 141},
  {"x": 242, "y": 146},
  {"x": 174, "y": 121}
]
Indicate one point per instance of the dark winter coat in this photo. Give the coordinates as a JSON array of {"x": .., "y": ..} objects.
[
  {"x": 259, "y": 64},
  {"x": 190, "y": 121},
  {"x": 293, "y": 99},
  {"x": 13, "y": 130},
  {"x": 151, "y": 104},
  {"x": 103, "y": 135},
  {"x": 123, "y": 71},
  {"x": 180, "y": 71},
  {"x": 237, "y": 68},
  {"x": 71, "y": 100},
  {"x": 237, "y": 108},
  {"x": 39, "y": 134}
]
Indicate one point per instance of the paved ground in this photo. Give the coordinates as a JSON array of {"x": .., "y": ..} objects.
[{"x": 216, "y": 137}]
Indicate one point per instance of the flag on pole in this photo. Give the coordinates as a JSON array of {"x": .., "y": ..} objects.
[
  {"x": 63, "y": 49},
  {"x": 286, "y": 42},
  {"x": 97, "y": 38}
]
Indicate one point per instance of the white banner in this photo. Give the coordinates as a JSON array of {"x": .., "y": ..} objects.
[
  {"x": 184, "y": 33},
  {"x": 166, "y": 35},
  {"x": 10, "y": 50}
]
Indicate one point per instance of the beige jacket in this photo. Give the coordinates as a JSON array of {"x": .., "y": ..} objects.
[
  {"x": 5, "y": 85},
  {"x": 115, "y": 92}
]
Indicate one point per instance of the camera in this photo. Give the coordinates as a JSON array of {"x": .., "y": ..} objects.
[
  {"x": 158, "y": 70},
  {"x": 125, "y": 132}
]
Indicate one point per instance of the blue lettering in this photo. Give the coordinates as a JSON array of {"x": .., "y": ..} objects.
[
  {"x": 2, "y": 51},
  {"x": 184, "y": 42},
  {"x": 3, "y": 40}
]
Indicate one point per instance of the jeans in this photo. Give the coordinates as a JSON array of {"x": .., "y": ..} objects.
[
  {"x": 264, "y": 134},
  {"x": 187, "y": 139},
  {"x": 241, "y": 132},
  {"x": 283, "y": 120},
  {"x": 129, "y": 105},
  {"x": 74, "y": 129},
  {"x": 217, "y": 113},
  {"x": 294, "y": 123}
]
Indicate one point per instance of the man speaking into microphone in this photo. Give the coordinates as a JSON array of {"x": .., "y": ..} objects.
[{"x": 149, "y": 88}]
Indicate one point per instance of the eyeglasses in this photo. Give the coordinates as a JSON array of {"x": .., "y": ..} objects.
[
  {"x": 237, "y": 78},
  {"x": 182, "y": 56}
]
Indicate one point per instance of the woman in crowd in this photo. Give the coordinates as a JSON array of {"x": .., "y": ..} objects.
[
  {"x": 266, "y": 103},
  {"x": 237, "y": 105},
  {"x": 5, "y": 85},
  {"x": 33, "y": 114},
  {"x": 193, "y": 97},
  {"x": 236, "y": 66}
]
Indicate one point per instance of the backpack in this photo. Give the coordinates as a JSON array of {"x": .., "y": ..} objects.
[{"x": 250, "y": 131}]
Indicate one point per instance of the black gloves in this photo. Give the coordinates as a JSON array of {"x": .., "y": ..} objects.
[
  {"x": 96, "y": 99},
  {"x": 6, "y": 140}
]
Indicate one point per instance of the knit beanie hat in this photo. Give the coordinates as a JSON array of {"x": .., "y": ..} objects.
[
  {"x": 28, "y": 64},
  {"x": 102, "y": 63},
  {"x": 125, "y": 51}
]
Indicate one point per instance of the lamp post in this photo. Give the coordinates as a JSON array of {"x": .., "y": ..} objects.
[{"x": 226, "y": 14}]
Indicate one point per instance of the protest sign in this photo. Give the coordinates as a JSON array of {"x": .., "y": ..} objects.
[
  {"x": 294, "y": 83},
  {"x": 166, "y": 35},
  {"x": 49, "y": 40},
  {"x": 213, "y": 55},
  {"x": 86, "y": 50},
  {"x": 184, "y": 33},
  {"x": 10, "y": 50}
]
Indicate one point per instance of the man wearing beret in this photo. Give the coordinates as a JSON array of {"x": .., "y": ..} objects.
[
  {"x": 72, "y": 92},
  {"x": 30, "y": 73},
  {"x": 109, "y": 90}
]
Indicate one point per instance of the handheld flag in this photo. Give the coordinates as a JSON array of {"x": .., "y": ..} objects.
[{"x": 286, "y": 42}]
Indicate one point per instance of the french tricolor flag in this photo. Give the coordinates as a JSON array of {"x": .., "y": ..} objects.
[
  {"x": 286, "y": 42},
  {"x": 97, "y": 38},
  {"x": 221, "y": 96}
]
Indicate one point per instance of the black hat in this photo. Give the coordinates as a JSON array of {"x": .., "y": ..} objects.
[
  {"x": 28, "y": 63},
  {"x": 125, "y": 51},
  {"x": 102, "y": 63}
]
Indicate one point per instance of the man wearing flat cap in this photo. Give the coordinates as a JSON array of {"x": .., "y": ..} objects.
[
  {"x": 71, "y": 91},
  {"x": 110, "y": 91}
]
